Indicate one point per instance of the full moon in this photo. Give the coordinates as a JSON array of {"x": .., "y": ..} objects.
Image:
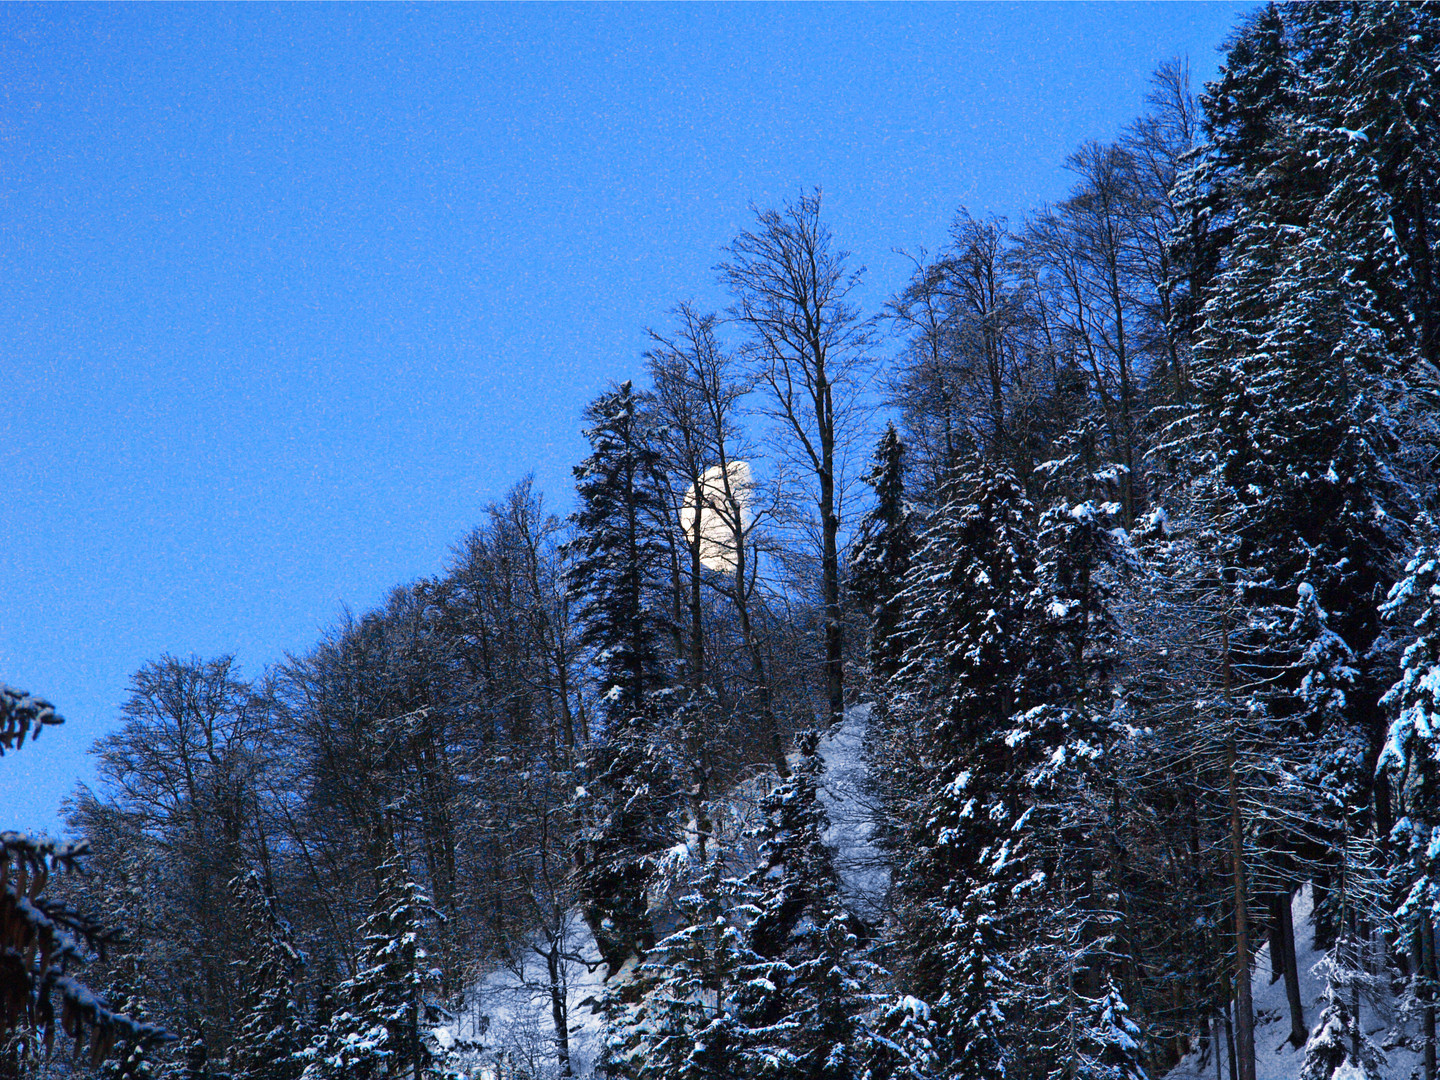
[{"x": 718, "y": 513}]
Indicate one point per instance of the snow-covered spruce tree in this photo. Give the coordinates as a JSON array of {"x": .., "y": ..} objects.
[
  {"x": 1110, "y": 1047},
  {"x": 134, "y": 1059},
  {"x": 679, "y": 1022},
  {"x": 1372, "y": 75},
  {"x": 1302, "y": 351},
  {"x": 628, "y": 806},
  {"x": 971, "y": 663},
  {"x": 1008, "y": 857},
  {"x": 379, "y": 1026},
  {"x": 1311, "y": 708},
  {"x": 1311, "y": 770},
  {"x": 1331, "y": 1047},
  {"x": 972, "y": 1001},
  {"x": 271, "y": 1029},
  {"x": 1242, "y": 111},
  {"x": 1324, "y": 832},
  {"x": 619, "y": 553},
  {"x": 903, "y": 1042},
  {"x": 1079, "y": 555},
  {"x": 1071, "y": 755},
  {"x": 190, "y": 1059},
  {"x": 1299, "y": 355},
  {"x": 1412, "y": 758},
  {"x": 1294, "y": 338},
  {"x": 1290, "y": 450},
  {"x": 970, "y": 713},
  {"x": 618, "y": 570},
  {"x": 1338, "y": 1046},
  {"x": 1292, "y": 429},
  {"x": 885, "y": 542},
  {"x": 806, "y": 986}
]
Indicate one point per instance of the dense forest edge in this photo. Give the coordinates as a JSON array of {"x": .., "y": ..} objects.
[{"x": 1106, "y": 552}]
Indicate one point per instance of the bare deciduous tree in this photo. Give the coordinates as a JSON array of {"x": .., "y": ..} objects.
[
  {"x": 699, "y": 388},
  {"x": 808, "y": 345}
]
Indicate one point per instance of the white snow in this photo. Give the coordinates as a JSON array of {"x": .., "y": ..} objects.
[{"x": 864, "y": 875}]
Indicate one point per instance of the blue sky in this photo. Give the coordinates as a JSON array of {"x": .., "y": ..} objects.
[{"x": 290, "y": 293}]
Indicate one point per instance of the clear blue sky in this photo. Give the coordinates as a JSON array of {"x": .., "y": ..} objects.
[{"x": 287, "y": 294}]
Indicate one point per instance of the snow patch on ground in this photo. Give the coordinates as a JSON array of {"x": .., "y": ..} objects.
[{"x": 864, "y": 875}]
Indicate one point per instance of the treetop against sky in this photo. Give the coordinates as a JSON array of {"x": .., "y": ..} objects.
[{"x": 292, "y": 292}]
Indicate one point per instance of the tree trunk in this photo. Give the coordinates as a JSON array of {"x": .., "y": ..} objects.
[
  {"x": 1324, "y": 933},
  {"x": 1358, "y": 962},
  {"x": 677, "y": 604},
  {"x": 1273, "y": 936},
  {"x": 1127, "y": 436},
  {"x": 1277, "y": 945},
  {"x": 791, "y": 289},
  {"x": 1244, "y": 1008},
  {"x": 558, "y": 1012},
  {"x": 741, "y": 597},
  {"x": 697, "y": 625},
  {"x": 1230, "y": 1040},
  {"x": 1427, "y": 992},
  {"x": 1299, "y": 1033},
  {"x": 830, "y": 571}
]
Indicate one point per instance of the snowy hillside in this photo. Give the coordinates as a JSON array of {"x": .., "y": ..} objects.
[
  {"x": 506, "y": 1019},
  {"x": 505, "y": 1027},
  {"x": 1275, "y": 1058}
]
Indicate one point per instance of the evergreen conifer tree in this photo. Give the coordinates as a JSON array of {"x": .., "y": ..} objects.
[
  {"x": 134, "y": 1058},
  {"x": 1004, "y": 687},
  {"x": 885, "y": 542},
  {"x": 1078, "y": 551},
  {"x": 806, "y": 987},
  {"x": 1412, "y": 751},
  {"x": 1372, "y": 75},
  {"x": 271, "y": 1029},
  {"x": 904, "y": 1042},
  {"x": 619, "y": 564},
  {"x": 1412, "y": 758},
  {"x": 1111, "y": 1048},
  {"x": 629, "y": 807},
  {"x": 972, "y": 1002},
  {"x": 1310, "y": 327},
  {"x": 680, "y": 1023},
  {"x": 1299, "y": 358},
  {"x": 620, "y": 552},
  {"x": 1338, "y": 1040},
  {"x": 976, "y": 659},
  {"x": 378, "y": 1028},
  {"x": 1295, "y": 473}
]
